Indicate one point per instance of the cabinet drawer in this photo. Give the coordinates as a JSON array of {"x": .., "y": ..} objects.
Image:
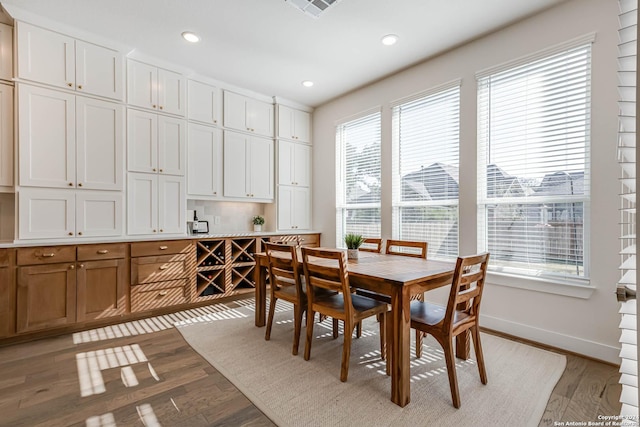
[
  {"x": 311, "y": 240},
  {"x": 6, "y": 257},
  {"x": 158, "y": 295},
  {"x": 161, "y": 248},
  {"x": 161, "y": 268},
  {"x": 46, "y": 255},
  {"x": 102, "y": 251}
]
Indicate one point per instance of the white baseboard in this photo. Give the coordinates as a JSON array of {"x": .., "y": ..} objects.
[{"x": 592, "y": 349}]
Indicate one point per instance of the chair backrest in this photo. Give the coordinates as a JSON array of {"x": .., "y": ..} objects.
[
  {"x": 466, "y": 289},
  {"x": 284, "y": 269},
  {"x": 371, "y": 245},
  {"x": 326, "y": 269},
  {"x": 406, "y": 248}
]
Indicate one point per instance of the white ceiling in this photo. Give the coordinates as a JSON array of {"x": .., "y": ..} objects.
[{"x": 269, "y": 47}]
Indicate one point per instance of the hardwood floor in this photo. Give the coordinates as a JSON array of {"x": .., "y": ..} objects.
[{"x": 155, "y": 378}]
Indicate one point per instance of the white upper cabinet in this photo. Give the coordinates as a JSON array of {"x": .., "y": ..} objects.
[
  {"x": 204, "y": 161},
  {"x": 155, "y": 88},
  {"x": 156, "y": 143},
  {"x": 294, "y": 163},
  {"x": 205, "y": 103},
  {"x": 6, "y": 52},
  {"x": 56, "y": 59},
  {"x": 248, "y": 166},
  {"x": 156, "y": 204},
  {"x": 294, "y": 124},
  {"x": 68, "y": 141},
  {"x": 248, "y": 114},
  {"x": 6, "y": 135},
  {"x": 99, "y": 144}
]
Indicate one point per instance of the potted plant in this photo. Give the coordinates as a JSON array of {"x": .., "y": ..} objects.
[
  {"x": 258, "y": 222},
  {"x": 353, "y": 242}
]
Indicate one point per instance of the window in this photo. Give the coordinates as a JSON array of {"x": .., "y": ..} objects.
[
  {"x": 358, "y": 177},
  {"x": 533, "y": 165},
  {"x": 425, "y": 170}
]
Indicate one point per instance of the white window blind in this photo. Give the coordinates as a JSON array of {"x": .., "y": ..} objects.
[
  {"x": 627, "y": 52},
  {"x": 358, "y": 177},
  {"x": 426, "y": 141},
  {"x": 533, "y": 165}
]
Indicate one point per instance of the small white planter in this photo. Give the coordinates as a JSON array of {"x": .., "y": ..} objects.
[
  {"x": 257, "y": 227},
  {"x": 352, "y": 253}
]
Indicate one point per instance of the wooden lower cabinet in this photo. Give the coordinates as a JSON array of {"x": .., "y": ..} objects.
[
  {"x": 7, "y": 293},
  {"x": 101, "y": 289},
  {"x": 46, "y": 296}
]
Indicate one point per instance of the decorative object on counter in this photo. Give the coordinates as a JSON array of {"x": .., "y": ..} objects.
[
  {"x": 353, "y": 242},
  {"x": 258, "y": 222}
]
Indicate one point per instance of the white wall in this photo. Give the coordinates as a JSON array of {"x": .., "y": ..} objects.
[{"x": 587, "y": 326}]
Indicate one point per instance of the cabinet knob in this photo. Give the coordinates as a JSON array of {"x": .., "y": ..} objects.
[
  {"x": 154, "y": 231},
  {"x": 70, "y": 84},
  {"x": 161, "y": 230},
  {"x": 154, "y": 106},
  {"x": 215, "y": 121},
  {"x": 253, "y": 130},
  {"x": 159, "y": 170},
  {"x": 79, "y": 86},
  {"x": 81, "y": 266},
  {"x": 248, "y": 195},
  {"x": 70, "y": 233},
  {"x": 154, "y": 169},
  {"x": 71, "y": 184},
  {"x": 161, "y": 107},
  {"x": 248, "y": 128},
  {"x": 79, "y": 184},
  {"x": 79, "y": 233},
  {"x": 72, "y": 267},
  {"x": 215, "y": 192}
]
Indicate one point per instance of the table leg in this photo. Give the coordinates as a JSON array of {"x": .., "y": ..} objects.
[
  {"x": 399, "y": 347},
  {"x": 259, "y": 277}
]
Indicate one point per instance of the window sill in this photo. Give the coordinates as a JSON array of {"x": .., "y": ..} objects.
[{"x": 581, "y": 289}]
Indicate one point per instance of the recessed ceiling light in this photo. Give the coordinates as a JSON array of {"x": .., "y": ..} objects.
[
  {"x": 307, "y": 83},
  {"x": 191, "y": 37},
  {"x": 389, "y": 39}
]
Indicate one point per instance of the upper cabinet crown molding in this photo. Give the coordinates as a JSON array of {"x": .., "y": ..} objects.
[
  {"x": 155, "y": 88},
  {"x": 58, "y": 60},
  {"x": 248, "y": 114}
]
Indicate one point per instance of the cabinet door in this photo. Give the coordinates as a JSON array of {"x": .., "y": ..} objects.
[
  {"x": 142, "y": 141},
  {"x": 235, "y": 165},
  {"x": 101, "y": 289},
  {"x": 260, "y": 117},
  {"x": 99, "y": 213},
  {"x": 172, "y": 204},
  {"x": 204, "y": 161},
  {"x": 172, "y": 147},
  {"x": 142, "y": 82},
  {"x": 46, "y": 213},
  {"x": 286, "y": 155},
  {"x": 6, "y": 132},
  {"x": 293, "y": 208},
  {"x": 46, "y": 296},
  {"x": 260, "y": 168},
  {"x": 46, "y": 132},
  {"x": 142, "y": 203},
  {"x": 235, "y": 111},
  {"x": 204, "y": 103},
  {"x": 285, "y": 122},
  {"x": 99, "y": 70},
  {"x": 301, "y": 165},
  {"x": 7, "y": 293},
  {"x": 45, "y": 56},
  {"x": 100, "y": 144},
  {"x": 301, "y": 126},
  {"x": 6, "y": 52},
  {"x": 171, "y": 92}
]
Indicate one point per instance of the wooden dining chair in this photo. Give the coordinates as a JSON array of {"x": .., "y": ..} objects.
[
  {"x": 327, "y": 269},
  {"x": 460, "y": 314},
  {"x": 371, "y": 244},
  {"x": 406, "y": 248}
]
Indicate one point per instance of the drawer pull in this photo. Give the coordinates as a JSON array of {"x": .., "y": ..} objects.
[
  {"x": 162, "y": 248},
  {"x": 163, "y": 293},
  {"x": 103, "y": 251},
  {"x": 47, "y": 255},
  {"x": 164, "y": 267}
]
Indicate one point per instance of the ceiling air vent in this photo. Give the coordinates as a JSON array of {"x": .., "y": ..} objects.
[{"x": 313, "y": 8}]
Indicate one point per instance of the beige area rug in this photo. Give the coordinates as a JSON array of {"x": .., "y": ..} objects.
[{"x": 295, "y": 392}]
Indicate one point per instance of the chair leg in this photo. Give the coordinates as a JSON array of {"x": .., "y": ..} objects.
[
  {"x": 383, "y": 337},
  {"x": 419, "y": 341},
  {"x": 346, "y": 350},
  {"x": 297, "y": 327},
  {"x": 359, "y": 329},
  {"x": 307, "y": 345},
  {"x": 272, "y": 309},
  {"x": 448, "y": 348},
  {"x": 477, "y": 346},
  {"x": 335, "y": 328}
]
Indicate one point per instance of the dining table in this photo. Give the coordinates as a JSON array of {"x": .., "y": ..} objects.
[{"x": 398, "y": 277}]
